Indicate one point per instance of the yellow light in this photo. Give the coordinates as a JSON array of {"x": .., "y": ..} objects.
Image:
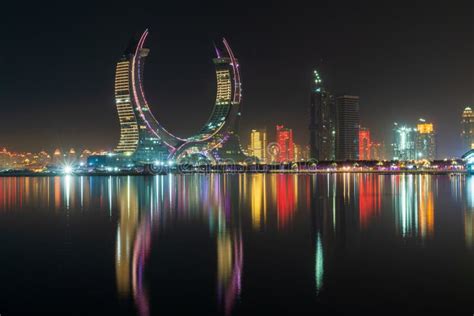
[{"x": 425, "y": 128}]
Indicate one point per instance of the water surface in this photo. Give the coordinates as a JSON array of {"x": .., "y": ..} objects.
[{"x": 241, "y": 244}]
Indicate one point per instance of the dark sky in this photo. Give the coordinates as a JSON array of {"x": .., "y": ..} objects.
[{"x": 404, "y": 59}]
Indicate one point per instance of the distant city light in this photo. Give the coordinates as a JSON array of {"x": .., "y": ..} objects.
[{"x": 67, "y": 170}]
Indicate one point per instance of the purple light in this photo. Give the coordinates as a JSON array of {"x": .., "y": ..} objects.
[{"x": 218, "y": 53}]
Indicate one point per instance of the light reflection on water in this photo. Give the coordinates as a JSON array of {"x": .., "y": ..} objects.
[
  {"x": 339, "y": 214},
  {"x": 469, "y": 213}
]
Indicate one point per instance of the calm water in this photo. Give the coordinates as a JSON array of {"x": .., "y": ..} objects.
[{"x": 237, "y": 245}]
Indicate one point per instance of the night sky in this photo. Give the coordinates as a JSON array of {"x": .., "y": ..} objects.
[{"x": 404, "y": 60}]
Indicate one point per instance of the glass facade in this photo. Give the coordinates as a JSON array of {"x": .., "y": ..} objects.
[
  {"x": 144, "y": 140},
  {"x": 285, "y": 142},
  {"x": 347, "y": 127},
  {"x": 128, "y": 122},
  {"x": 403, "y": 144},
  {"x": 467, "y": 129},
  {"x": 258, "y": 145},
  {"x": 425, "y": 141},
  {"x": 322, "y": 125}
]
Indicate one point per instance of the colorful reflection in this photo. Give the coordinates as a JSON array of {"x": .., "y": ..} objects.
[
  {"x": 57, "y": 193},
  {"x": 322, "y": 205},
  {"x": 319, "y": 264},
  {"x": 370, "y": 198},
  {"x": 141, "y": 253},
  {"x": 126, "y": 230},
  {"x": 425, "y": 207},
  {"x": 469, "y": 212},
  {"x": 456, "y": 183},
  {"x": 159, "y": 205},
  {"x": 332, "y": 211},
  {"x": 286, "y": 197},
  {"x": 414, "y": 205},
  {"x": 259, "y": 201},
  {"x": 229, "y": 269}
]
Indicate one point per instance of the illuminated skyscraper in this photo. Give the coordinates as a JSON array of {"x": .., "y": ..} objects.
[
  {"x": 364, "y": 144},
  {"x": 298, "y": 152},
  {"x": 467, "y": 129},
  {"x": 284, "y": 138},
  {"x": 347, "y": 127},
  {"x": 137, "y": 136},
  {"x": 403, "y": 144},
  {"x": 258, "y": 145},
  {"x": 144, "y": 140},
  {"x": 377, "y": 151},
  {"x": 322, "y": 127},
  {"x": 128, "y": 124},
  {"x": 425, "y": 141}
]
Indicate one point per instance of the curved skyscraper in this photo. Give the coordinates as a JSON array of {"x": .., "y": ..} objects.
[{"x": 144, "y": 139}]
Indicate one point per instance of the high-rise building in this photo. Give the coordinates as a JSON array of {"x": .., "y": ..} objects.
[
  {"x": 137, "y": 134},
  {"x": 467, "y": 129},
  {"x": 258, "y": 145},
  {"x": 298, "y": 153},
  {"x": 305, "y": 153},
  {"x": 377, "y": 151},
  {"x": 284, "y": 138},
  {"x": 403, "y": 143},
  {"x": 347, "y": 127},
  {"x": 144, "y": 140},
  {"x": 273, "y": 153},
  {"x": 364, "y": 144},
  {"x": 425, "y": 141},
  {"x": 322, "y": 127}
]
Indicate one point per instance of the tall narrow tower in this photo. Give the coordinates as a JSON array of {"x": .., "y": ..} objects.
[
  {"x": 425, "y": 140},
  {"x": 128, "y": 123},
  {"x": 364, "y": 144},
  {"x": 347, "y": 132},
  {"x": 137, "y": 135},
  {"x": 467, "y": 129},
  {"x": 258, "y": 145},
  {"x": 322, "y": 121},
  {"x": 403, "y": 142},
  {"x": 284, "y": 138}
]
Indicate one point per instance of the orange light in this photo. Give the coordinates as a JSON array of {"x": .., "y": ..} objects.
[{"x": 425, "y": 128}]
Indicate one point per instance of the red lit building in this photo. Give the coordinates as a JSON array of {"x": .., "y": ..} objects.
[
  {"x": 364, "y": 143},
  {"x": 284, "y": 138}
]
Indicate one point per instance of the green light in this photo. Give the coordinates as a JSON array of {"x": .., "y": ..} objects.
[{"x": 319, "y": 264}]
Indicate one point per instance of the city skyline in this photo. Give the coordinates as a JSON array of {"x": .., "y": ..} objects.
[
  {"x": 231, "y": 158},
  {"x": 71, "y": 99}
]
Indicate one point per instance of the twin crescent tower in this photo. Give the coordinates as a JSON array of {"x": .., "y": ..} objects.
[{"x": 144, "y": 140}]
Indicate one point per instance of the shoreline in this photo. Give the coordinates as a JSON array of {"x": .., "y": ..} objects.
[{"x": 301, "y": 172}]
